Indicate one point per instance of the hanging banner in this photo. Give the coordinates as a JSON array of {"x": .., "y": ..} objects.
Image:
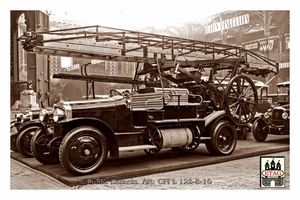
[
  {"x": 264, "y": 46},
  {"x": 284, "y": 65},
  {"x": 227, "y": 24}
]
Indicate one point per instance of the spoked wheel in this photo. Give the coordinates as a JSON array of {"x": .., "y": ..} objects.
[
  {"x": 155, "y": 138},
  {"x": 223, "y": 138},
  {"x": 83, "y": 150},
  {"x": 40, "y": 150},
  {"x": 241, "y": 99},
  {"x": 24, "y": 139},
  {"x": 260, "y": 130}
]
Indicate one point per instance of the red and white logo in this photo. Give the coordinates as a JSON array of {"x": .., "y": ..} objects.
[{"x": 272, "y": 171}]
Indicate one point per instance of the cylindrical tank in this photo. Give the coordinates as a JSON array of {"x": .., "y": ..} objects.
[{"x": 176, "y": 137}]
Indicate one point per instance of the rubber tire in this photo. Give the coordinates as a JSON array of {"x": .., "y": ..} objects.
[
  {"x": 38, "y": 152},
  {"x": 24, "y": 139},
  {"x": 13, "y": 143},
  {"x": 212, "y": 144},
  {"x": 259, "y": 134},
  {"x": 66, "y": 145}
]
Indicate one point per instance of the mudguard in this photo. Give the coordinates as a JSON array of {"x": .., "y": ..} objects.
[{"x": 69, "y": 124}]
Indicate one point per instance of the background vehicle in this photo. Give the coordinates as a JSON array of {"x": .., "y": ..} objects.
[
  {"x": 21, "y": 130},
  {"x": 277, "y": 119},
  {"x": 168, "y": 106}
]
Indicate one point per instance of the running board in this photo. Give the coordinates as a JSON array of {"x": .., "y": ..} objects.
[{"x": 137, "y": 147}]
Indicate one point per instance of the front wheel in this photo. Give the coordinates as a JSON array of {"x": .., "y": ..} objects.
[
  {"x": 223, "y": 138},
  {"x": 24, "y": 139},
  {"x": 83, "y": 150},
  {"x": 40, "y": 150},
  {"x": 260, "y": 130}
]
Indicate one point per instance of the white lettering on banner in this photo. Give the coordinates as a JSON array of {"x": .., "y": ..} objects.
[
  {"x": 263, "y": 46},
  {"x": 251, "y": 46},
  {"x": 284, "y": 65},
  {"x": 227, "y": 24}
]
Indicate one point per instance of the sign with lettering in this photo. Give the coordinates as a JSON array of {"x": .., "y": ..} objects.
[
  {"x": 272, "y": 171},
  {"x": 227, "y": 24},
  {"x": 284, "y": 65}
]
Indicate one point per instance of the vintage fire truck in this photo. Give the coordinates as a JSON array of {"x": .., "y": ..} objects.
[{"x": 168, "y": 106}]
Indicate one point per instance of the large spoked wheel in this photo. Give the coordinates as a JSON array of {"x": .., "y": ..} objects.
[
  {"x": 241, "y": 100},
  {"x": 260, "y": 130},
  {"x": 40, "y": 150},
  {"x": 155, "y": 138},
  {"x": 223, "y": 139},
  {"x": 24, "y": 139},
  {"x": 83, "y": 150}
]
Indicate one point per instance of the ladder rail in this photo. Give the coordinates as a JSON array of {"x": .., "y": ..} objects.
[{"x": 135, "y": 46}]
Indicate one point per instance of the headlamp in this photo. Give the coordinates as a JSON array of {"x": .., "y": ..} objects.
[
  {"x": 58, "y": 114},
  {"x": 285, "y": 115},
  {"x": 267, "y": 115},
  {"x": 44, "y": 114}
]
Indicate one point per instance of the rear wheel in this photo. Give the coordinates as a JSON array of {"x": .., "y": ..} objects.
[
  {"x": 40, "y": 149},
  {"x": 83, "y": 150},
  {"x": 155, "y": 138},
  {"x": 24, "y": 139},
  {"x": 260, "y": 130},
  {"x": 223, "y": 138}
]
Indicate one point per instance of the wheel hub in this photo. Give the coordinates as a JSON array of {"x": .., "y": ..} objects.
[
  {"x": 87, "y": 152},
  {"x": 242, "y": 99},
  {"x": 222, "y": 138}
]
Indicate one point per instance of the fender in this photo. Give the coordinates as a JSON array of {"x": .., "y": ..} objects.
[
  {"x": 35, "y": 122},
  {"x": 213, "y": 116},
  {"x": 69, "y": 124}
]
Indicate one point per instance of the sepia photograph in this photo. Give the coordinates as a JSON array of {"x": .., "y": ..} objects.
[{"x": 149, "y": 96}]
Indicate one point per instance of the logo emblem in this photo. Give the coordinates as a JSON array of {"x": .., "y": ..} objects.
[{"x": 272, "y": 171}]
